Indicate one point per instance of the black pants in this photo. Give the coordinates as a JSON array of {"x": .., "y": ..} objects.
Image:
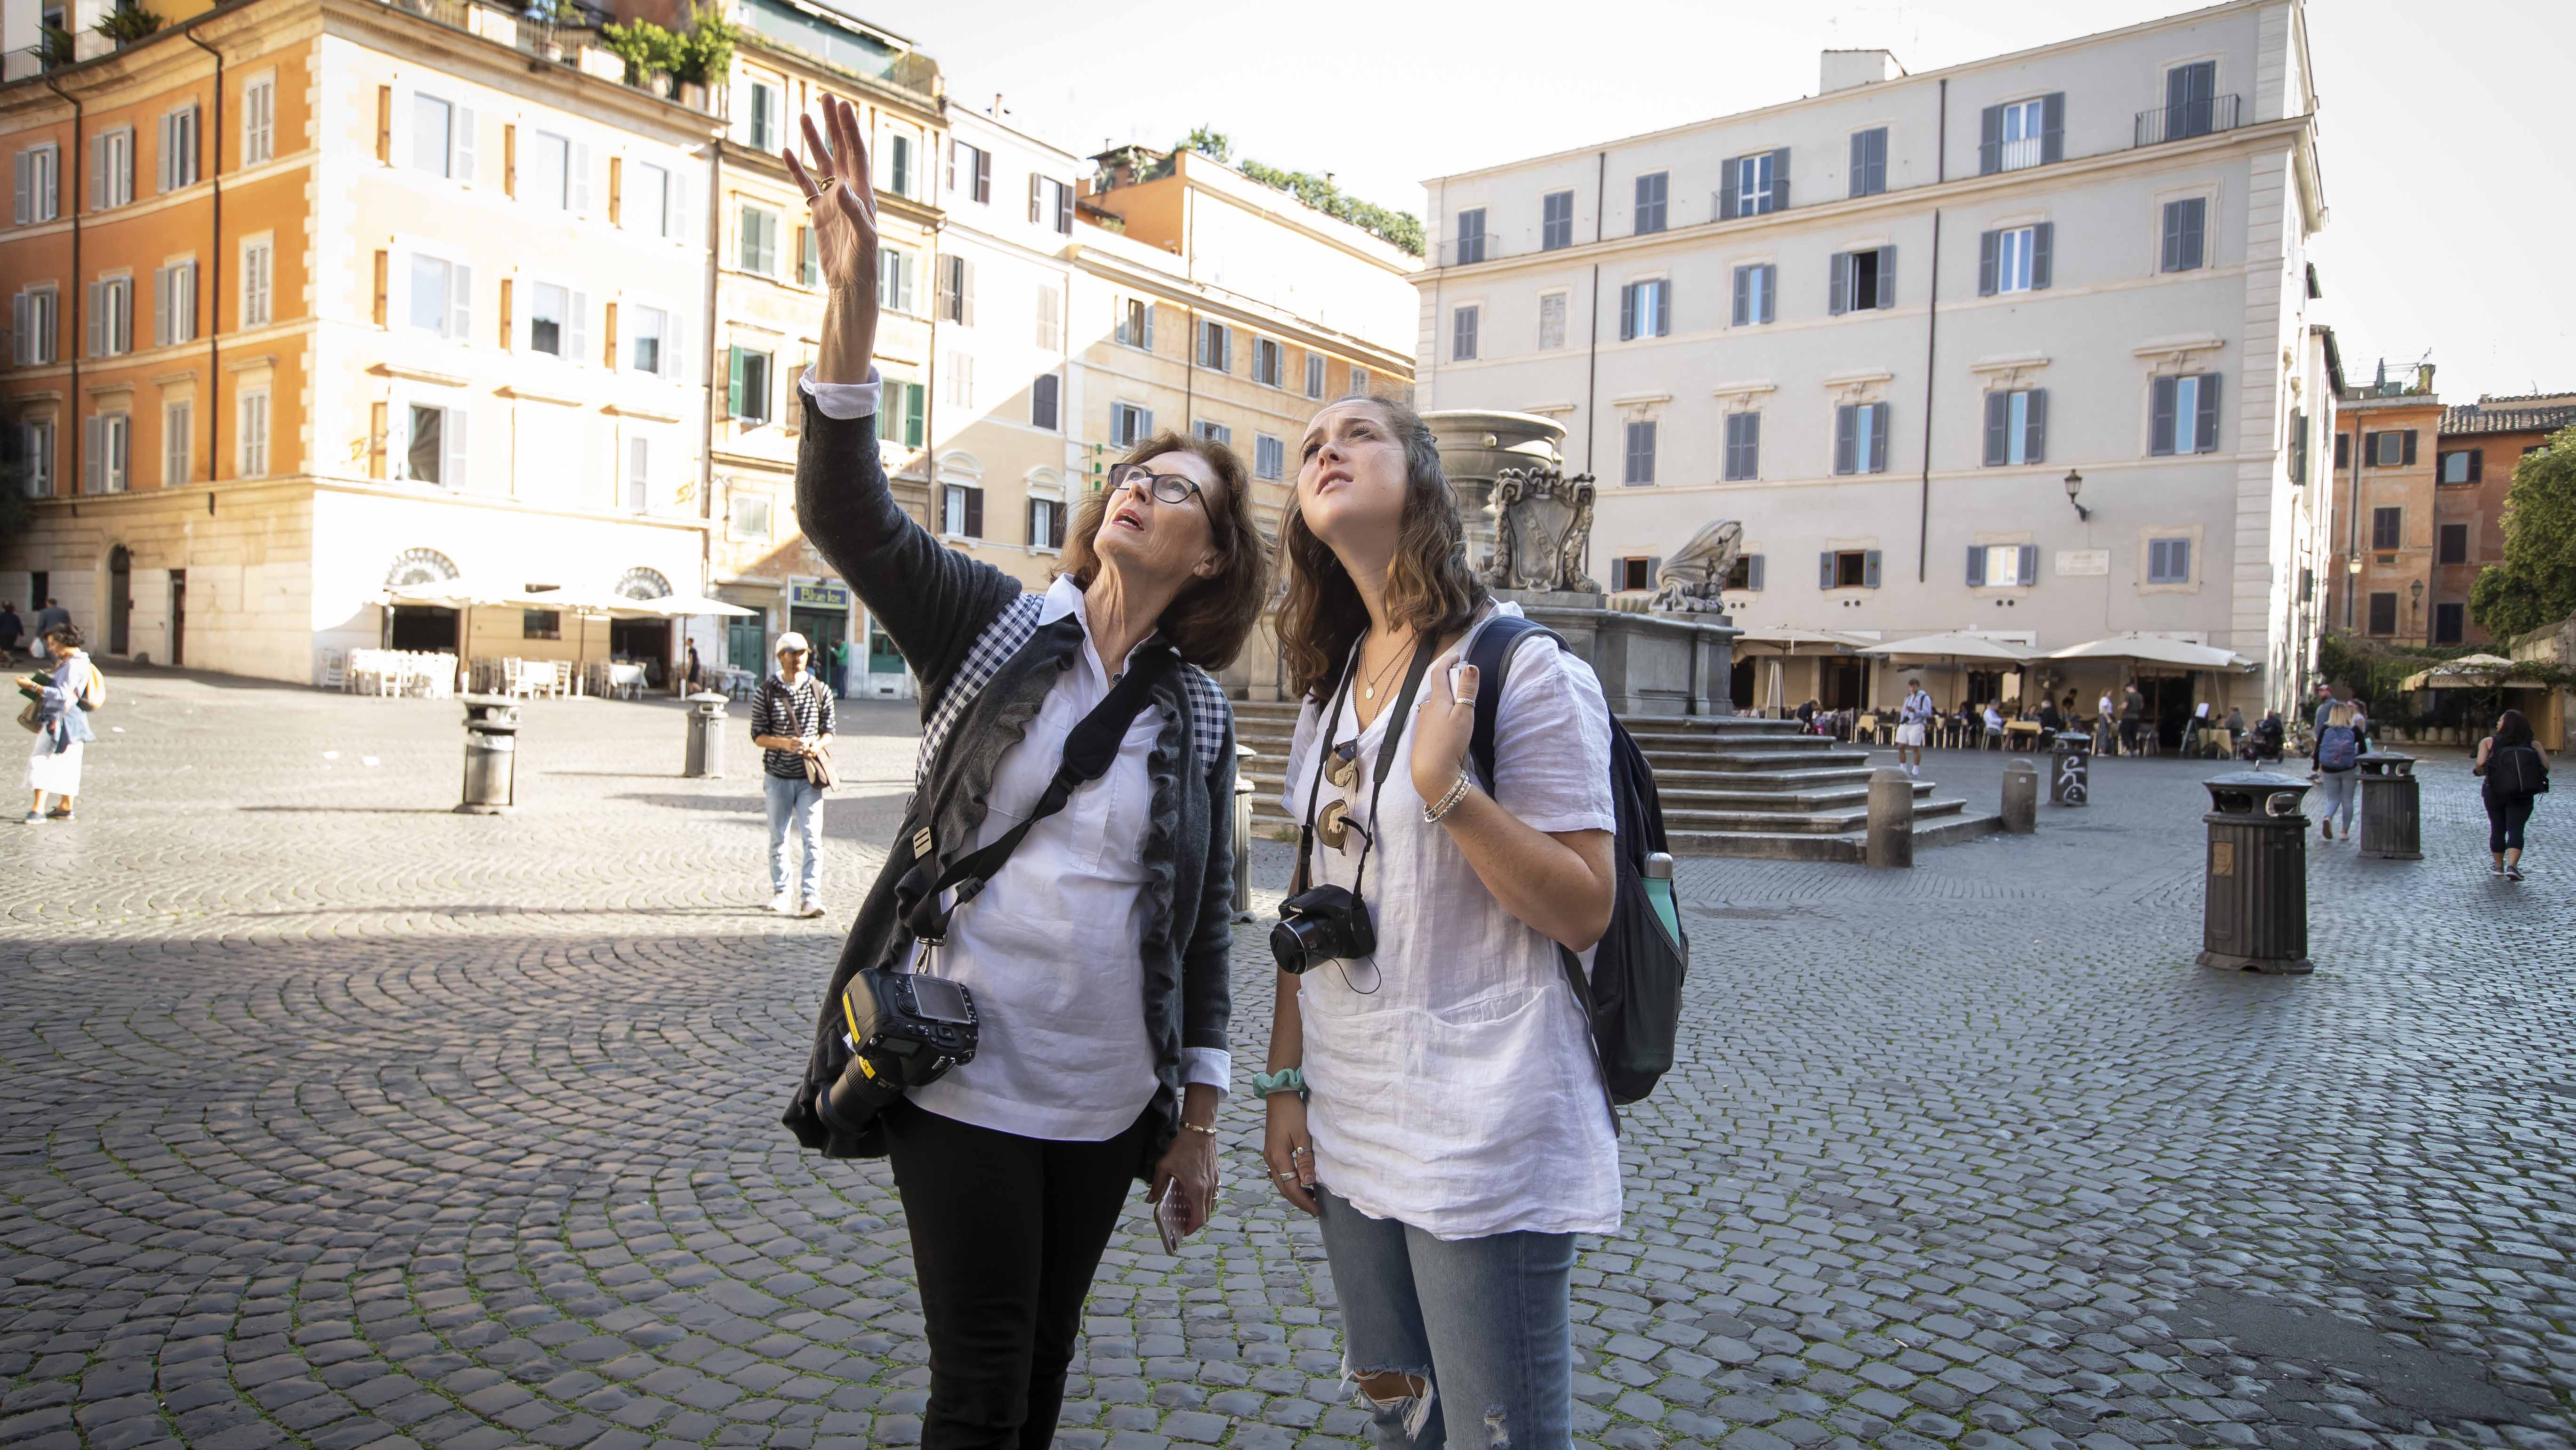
[
  {"x": 1006, "y": 1233},
  {"x": 2506, "y": 816}
]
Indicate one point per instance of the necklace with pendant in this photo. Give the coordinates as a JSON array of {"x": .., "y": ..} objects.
[{"x": 1368, "y": 688}]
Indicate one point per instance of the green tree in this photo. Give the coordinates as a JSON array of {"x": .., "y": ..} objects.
[
  {"x": 1211, "y": 144},
  {"x": 2535, "y": 586},
  {"x": 644, "y": 46}
]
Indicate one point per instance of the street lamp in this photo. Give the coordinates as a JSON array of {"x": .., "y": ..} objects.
[
  {"x": 2075, "y": 485},
  {"x": 2416, "y": 589},
  {"x": 2352, "y": 566}
]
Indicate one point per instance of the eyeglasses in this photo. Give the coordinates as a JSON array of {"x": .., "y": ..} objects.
[{"x": 1166, "y": 487}]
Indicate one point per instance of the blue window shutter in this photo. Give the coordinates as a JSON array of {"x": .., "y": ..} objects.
[
  {"x": 1664, "y": 307},
  {"x": 2029, "y": 565},
  {"x": 1838, "y": 291},
  {"x": 1976, "y": 565},
  {"x": 1753, "y": 572},
  {"x": 1825, "y": 570},
  {"x": 1998, "y": 409},
  {"x": 2035, "y": 435},
  {"x": 1990, "y": 140},
  {"x": 2160, "y": 432},
  {"x": 1779, "y": 198},
  {"x": 1628, "y": 312},
  {"x": 1878, "y": 439},
  {"x": 2043, "y": 242},
  {"x": 2205, "y": 427},
  {"x": 1846, "y": 439},
  {"x": 1989, "y": 245},
  {"x": 2052, "y": 126},
  {"x": 2169, "y": 259},
  {"x": 1726, "y": 188},
  {"x": 1887, "y": 275},
  {"x": 2180, "y": 561},
  {"x": 1743, "y": 300},
  {"x": 1869, "y": 571},
  {"x": 1770, "y": 292},
  {"x": 1859, "y": 169}
]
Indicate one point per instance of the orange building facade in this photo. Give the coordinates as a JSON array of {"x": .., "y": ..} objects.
[
  {"x": 2381, "y": 545},
  {"x": 2482, "y": 443}
]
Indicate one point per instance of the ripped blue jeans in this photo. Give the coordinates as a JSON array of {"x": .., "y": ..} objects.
[{"x": 1481, "y": 1327}]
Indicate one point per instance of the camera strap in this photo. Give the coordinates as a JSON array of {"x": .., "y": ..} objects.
[
  {"x": 1424, "y": 652},
  {"x": 1089, "y": 750}
]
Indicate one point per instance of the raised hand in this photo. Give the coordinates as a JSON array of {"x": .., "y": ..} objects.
[{"x": 844, "y": 208}]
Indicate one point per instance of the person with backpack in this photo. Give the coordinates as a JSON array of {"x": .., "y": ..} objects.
[
  {"x": 1432, "y": 1092},
  {"x": 59, "y": 716},
  {"x": 2516, "y": 772},
  {"x": 2337, "y": 753}
]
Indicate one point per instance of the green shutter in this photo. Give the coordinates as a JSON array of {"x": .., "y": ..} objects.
[{"x": 733, "y": 384}]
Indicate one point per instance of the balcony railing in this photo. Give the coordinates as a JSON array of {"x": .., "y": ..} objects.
[{"x": 2191, "y": 118}]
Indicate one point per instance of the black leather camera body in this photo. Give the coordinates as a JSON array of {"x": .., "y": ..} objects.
[
  {"x": 907, "y": 1030},
  {"x": 1319, "y": 925}
]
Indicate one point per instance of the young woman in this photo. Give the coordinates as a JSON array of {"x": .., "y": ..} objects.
[
  {"x": 62, "y": 722},
  {"x": 2338, "y": 786},
  {"x": 2508, "y": 791},
  {"x": 1097, "y": 952},
  {"x": 1457, "y": 1136}
]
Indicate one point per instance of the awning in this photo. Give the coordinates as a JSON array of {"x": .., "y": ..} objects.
[
  {"x": 1822, "y": 641},
  {"x": 2469, "y": 672},
  {"x": 685, "y": 606},
  {"x": 1956, "y": 645},
  {"x": 2152, "y": 650}
]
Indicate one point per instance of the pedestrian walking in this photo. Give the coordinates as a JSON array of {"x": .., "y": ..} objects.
[
  {"x": 60, "y": 714},
  {"x": 791, "y": 722},
  {"x": 1079, "y": 737},
  {"x": 12, "y": 629},
  {"x": 840, "y": 657},
  {"x": 1434, "y": 1100},
  {"x": 2337, "y": 753},
  {"x": 2133, "y": 717},
  {"x": 689, "y": 673},
  {"x": 47, "y": 618},
  {"x": 2516, "y": 772},
  {"x": 1913, "y": 719}
]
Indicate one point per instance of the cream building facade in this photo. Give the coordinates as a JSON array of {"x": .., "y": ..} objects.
[{"x": 1883, "y": 324}]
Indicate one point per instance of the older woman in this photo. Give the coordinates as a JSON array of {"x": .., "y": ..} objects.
[
  {"x": 1096, "y": 954},
  {"x": 62, "y": 722}
]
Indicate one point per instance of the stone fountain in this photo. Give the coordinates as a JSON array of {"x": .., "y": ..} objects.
[{"x": 1529, "y": 534}]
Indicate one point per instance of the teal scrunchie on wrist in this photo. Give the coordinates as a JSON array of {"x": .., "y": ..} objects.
[{"x": 1285, "y": 1080}]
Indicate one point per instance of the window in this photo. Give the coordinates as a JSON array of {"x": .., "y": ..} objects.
[
  {"x": 1640, "y": 467},
  {"x": 174, "y": 304},
  {"x": 1869, "y": 161},
  {"x": 906, "y": 407},
  {"x": 2003, "y": 566},
  {"x": 1646, "y": 309},
  {"x": 961, "y": 511},
  {"x": 440, "y": 293},
  {"x": 2186, "y": 224},
  {"x": 1216, "y": 347},
  {"x": 649, "y": 199},
  {"x": 809, "y": 259},
  {"x": 1129, "y": 425},
  {"x": 747, "y": 518},
  {"x": 1471, "y": 235},
  {"x": 1650, "y": 202},
  {"x": 899, "y": 165},
  {"x": 111, "y": 317},
  {"x": 970, "y": 170},
  {"x": 1756, "y": 285},
  {"x": 259, "y": 119},
  {"x": 1043, "y": 395},
  {"x": 2392, "y": 449},
  {"x": 1632, "y": 573},
  {"x": 1046, "y": 523},
  {"x": 105, "y": 438},
  {"x": 111, "y": 177},
  {"x": 2168, "y": 561},
  {"x": 1269, "y": 457},
  {"x": 1359, "y": 382},
  {"x": 2460, "y": 465},
  {"x": 961, "y": 378},
  {"x": 435, "y": 449},
  {"x": 1216, "y": 432},
  {"x": 955, "y": 289},
  {"x": 178, "y": 159},
  {"x": 639, "y": 475},
  {"x": 1050, "y": 336},
  {"x": 2455, "y": 544},
  {"x": 177, "y": 450},
  {"x": 34, "y": 326},
  {"x": 1555, "y": 221},
  {"x": 2343, "y": 450},
  {"x": 1269, "y": 361},
  {"x": 558, "y": 320},
  {"x": 2186, "y": 415},
  {"x": 2191, "y": 94},
  {"x": 1848, "y": 569},
  {"x": 36, "y": 191},
  {"x": 1746, "y": 575},
  {"x": 763, "y": 132},
  {"x": 1753, "y": 185},
  {"x": 255, "y": 281},
  {"x": 1136, "y": 323},
  {"x": 1462, "y": 334},
  {"x": 1551, "y": 322},
  {"x": 541, "y": 624},
  {"x": 2387, "y": 528},
  {"x": 2015, "y": 259},
  {"x": 1743, "y": 446},
  {"x": 2016, "y": 427},
  {"x": 2298, "y": 446},
  {"x": 747, "y": 386},
  {"x": 250, "y": 434},
  {"x": 1051, "y": 203},
  {"x": 760, "y": 241},
  {"x": 1860, "y": 438},
  {"x": 36, "y": 445},
  {"x": 2021, "y": 133},
  {"x": 2383, "y": 613},
  {"x": 894, "y": 279},
  {"x": 1862, "y": 281},
  {"x": 645, "y": 329},
  {"x": 1314, "y": 375},
  {"x": 2449, "y": 623},
  {"x": 442, "y": 138}
]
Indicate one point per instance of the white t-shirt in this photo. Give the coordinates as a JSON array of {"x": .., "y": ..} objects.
[
  {"x": 1454, "y": 1088},
  {"x": 1918, "y": 707}
]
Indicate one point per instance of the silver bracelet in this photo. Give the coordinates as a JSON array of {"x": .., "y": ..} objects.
[{"x": 1431, "y": 814}]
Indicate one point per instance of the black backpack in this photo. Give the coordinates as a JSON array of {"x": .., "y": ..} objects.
[
  {"x": 2518, "y": 771},
  {"x": 1634, "y": 996}
]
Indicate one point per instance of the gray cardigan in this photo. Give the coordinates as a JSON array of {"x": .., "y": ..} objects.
[{"x": 936, "y": 603}]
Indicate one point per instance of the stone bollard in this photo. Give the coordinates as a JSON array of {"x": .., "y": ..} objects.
[
  {"x": 2021, "y": 796},
  {"x": 1891, "y": 817}
]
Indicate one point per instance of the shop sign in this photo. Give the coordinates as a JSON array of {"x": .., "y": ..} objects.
[{"x": 819, "y": 596}]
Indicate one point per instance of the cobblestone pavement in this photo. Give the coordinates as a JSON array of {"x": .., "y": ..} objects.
[{"x": 330, "y": 1118}]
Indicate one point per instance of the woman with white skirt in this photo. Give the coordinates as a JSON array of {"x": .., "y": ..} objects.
[{"x": 62, "y": 723}]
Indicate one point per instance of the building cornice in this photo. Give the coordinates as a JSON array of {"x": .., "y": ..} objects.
[{"x": 1204, "y": 297}]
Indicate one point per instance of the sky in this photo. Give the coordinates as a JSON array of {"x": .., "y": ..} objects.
[{"x": 2450, "y": 171}]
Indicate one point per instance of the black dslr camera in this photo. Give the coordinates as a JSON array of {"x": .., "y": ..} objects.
[
  {"x": 906, "y": 1031},
  {"x": 1319, "y": 925}
]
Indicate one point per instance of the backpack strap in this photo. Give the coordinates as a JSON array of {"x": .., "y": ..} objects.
[{"x": 1497, "y": 640}]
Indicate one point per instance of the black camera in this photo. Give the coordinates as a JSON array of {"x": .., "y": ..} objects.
[
  {"x": 906, "y": 1031},
  {"x": 1319, "y": 925}
]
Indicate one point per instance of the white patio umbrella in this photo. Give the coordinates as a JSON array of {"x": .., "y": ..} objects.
[
  {"x": 2150, "y": 650},
  {"x": 2468, "y": 672},
  {"x": 684, "y": 606},
  {"x": 1956, "y": 645}
]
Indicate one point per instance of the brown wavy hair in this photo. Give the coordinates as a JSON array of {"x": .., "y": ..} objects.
[
  {"x": 1429, "y": 585},
  {"x": 1210, "y": 618}
]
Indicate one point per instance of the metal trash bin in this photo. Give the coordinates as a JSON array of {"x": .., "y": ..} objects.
[
  {"x": 1243, "y": 835},
  {"x": 704, "y": 758},
  {"x": 2070, "y": 769},
  {"x": 2254, "y": 915},
  {"x": 2392, "y": 807},
  {"x": 491, "y": 755}
]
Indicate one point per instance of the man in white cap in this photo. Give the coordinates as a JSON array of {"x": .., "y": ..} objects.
[{"x": 791, "y": 722}]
